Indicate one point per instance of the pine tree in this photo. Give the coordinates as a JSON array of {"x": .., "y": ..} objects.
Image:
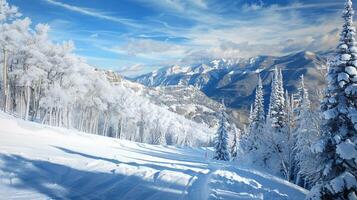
[
  {"x": 276, "y": 113},
  {"x": 221, "y": 144},
  {"x": 306, "y": 134},
  {"x": 259, "y": 113},
  {"x": 337, "y": 148},
  {"x": 235, "y": 142},
  {"x": 256, "y": 120},
  {"x": 289, "y": 141},
  {"x": 278, "y": 153}
]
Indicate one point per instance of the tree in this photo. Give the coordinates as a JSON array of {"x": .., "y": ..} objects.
[
  {"x": 289, "y": 141},
  {"x": 278, "y": 138},
  {"x": 8, "y": 12},
  {"x": 235, "y": 142},
  {"x": 221, "y": 144},
  {"x": 254, "y": 138},
  {"x": 337, "y": 147},
  {"x": 46, "y": 82},
  {"x": 8, "y": 40},
  {"x": 258, "y": 121},
  {"x": 276, "y": 113},
  {"x": 306, "y": 134}
]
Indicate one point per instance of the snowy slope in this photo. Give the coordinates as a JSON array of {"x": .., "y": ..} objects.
[
  {"x": 187, "y": 101},
  {"x": 39, "y": 162}
]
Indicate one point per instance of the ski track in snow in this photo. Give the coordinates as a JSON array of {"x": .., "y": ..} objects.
[{"x": 41, "y": 162}]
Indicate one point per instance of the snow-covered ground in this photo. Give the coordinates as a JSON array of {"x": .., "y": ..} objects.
[{"x": 39, "y": 162}]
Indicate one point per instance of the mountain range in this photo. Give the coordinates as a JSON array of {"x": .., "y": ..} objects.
[
  {"x": 197, "y": 91},
  {"x": 235, "y": 80}
]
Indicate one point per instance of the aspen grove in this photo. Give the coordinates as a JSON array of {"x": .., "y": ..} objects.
[{"x": 46, "y": 82}]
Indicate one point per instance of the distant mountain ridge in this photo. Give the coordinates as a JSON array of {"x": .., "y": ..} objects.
[
  {"x": 187, "y": 101},
  {"x": 235, "y": 80}
]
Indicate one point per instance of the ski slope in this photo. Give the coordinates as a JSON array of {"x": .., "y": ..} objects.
[{"x": 41, "y": 162}]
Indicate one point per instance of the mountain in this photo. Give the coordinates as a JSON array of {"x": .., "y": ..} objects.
[
  {"x": 188, "y": 101},
  {"x": 43, "y": 162},
  {"x": 235, "y": 80}
]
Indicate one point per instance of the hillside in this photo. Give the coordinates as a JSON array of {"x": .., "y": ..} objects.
[
  {"x": 187, "y": 101},
  {"x": 42, "y": 162}
]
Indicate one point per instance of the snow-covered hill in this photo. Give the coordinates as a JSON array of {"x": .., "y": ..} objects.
[
  {"x": 41, "y": 162},
  {"x": 187, "y": 101}
]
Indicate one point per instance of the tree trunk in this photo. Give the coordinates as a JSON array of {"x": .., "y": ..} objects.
[
  {"x": 28, "y": 103},
  {"x": 5, "y": 84}
]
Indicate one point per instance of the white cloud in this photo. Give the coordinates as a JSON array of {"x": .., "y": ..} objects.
[
  {"x": 147, "y": 46},
  {"x": 149, "y": 50},
  {"x": 132, "y": 70},
  {"x": 258, "y": 29},
  {"x": 265, "y": 31},
  {"x": 295, "y": 6},
  {"x": 91, "y": 12},
  {"x": 94, "y": 35}
]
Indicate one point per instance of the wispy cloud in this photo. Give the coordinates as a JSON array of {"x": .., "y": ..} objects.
[
  {"x": 92, "y": 13},
  {"x": 294, "y": 6},
  {"x": 132, "y": 70},
  {"x": 185, "y": 31},
  {"x": 148, "y": 46},
  {"x": 94, "y": 35}
]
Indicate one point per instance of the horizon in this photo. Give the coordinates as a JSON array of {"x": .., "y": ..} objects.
[{"x": 134, "y": 37}]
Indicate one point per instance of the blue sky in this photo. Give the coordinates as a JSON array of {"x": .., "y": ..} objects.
[{"x": 138, "y": 36}]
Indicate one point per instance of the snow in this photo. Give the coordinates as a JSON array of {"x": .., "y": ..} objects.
[
  {"x": 353, "y": 49},
  {"x": 330, "y": 114},
  {"x": 42, "y": 162},
  {"x": 343, "y": 77},
  {"x": 343, "y": 47},
  {"x": 354, "y": 79},
  {"x": 345, "y": 57},
  {"x": 351, "y": 89},
  {"x": 352, "y": 196},
  {"x": 318, "y": 147},
  {"x": 351, "y": 70},
  {"x": 347, "y": 150},
  {"x": 177, "y": 70},
  {"x": 345, "y": 180},
  {"x": 258, "y": 71}
]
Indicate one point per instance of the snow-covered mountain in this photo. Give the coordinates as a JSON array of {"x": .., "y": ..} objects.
[
  {"x": 188, "y": 101},
  {"x": 235, "y": 80},
  {"x": 197, "y": 76},
  {"x": 43, "y": 162}
]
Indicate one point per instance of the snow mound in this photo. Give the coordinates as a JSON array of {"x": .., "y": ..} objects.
[{"x": 42, "y": 162}]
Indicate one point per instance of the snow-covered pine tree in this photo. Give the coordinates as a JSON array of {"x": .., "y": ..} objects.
[
  {"x": 337, "y": 148},
  {"x": 234, "y": 147},
  {"x": 259, "y": 113},
  {"x": 256, "y": 121},
  {"x": 276, "y": 114},
  {"x": 221, "y": 144},
  {"x": 277, "y": 138},
  {"x": 288, "y": 145},
  {"x": 306, "y": 134}
]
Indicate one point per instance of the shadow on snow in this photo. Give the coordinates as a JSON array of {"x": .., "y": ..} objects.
[{"x": 58, "y": 181}]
